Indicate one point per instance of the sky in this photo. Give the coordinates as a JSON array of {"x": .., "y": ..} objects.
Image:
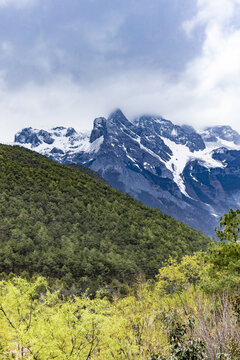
[{"x": 66, "y": 62}]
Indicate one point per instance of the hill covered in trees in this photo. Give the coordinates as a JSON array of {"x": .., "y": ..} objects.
[
  {"x": 63, "y": 224},
  {"x": 88, "y": 171}
]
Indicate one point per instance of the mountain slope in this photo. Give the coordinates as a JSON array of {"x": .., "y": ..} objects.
[
  {"x": 165, "y": 166},
  {"x": 87, "y": 171},
  {"x": 62, "y": 223}
]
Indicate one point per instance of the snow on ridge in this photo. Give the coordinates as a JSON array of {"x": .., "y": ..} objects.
[
  {"x": 138, "y": 140},
  {"x": 77, "y": 142},
  {"x": 220, "y": 143},
  {"x": 68, "y": 141},
  {"x": 182, "y": 155}
]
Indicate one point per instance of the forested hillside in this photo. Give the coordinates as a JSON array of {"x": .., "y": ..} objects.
[
  {"x": 87, "y": 171},
  {"x": 63, "y": 224}
]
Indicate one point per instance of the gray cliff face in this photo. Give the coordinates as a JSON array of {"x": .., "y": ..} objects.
[
  {"x": 151, "y": 125},
  {"x": 222, "y": 132},
  {"x": 194, "y": 177}
]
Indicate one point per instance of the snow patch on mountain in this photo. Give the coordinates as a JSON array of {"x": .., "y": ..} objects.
[
  {"x": 220, "y": 143},
  {"x": 148, "y": 150},
  {"x": 155, "y": 161},
  {"x": 215, "y": 133},
  {"x": 182, "y": 155},
  {"x": 63, "y": 141}
]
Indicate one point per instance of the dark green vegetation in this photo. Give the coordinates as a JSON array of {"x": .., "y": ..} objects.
[
  {"x": 89, "y": 172},
  {"x": 63, "y": 224},
  {"x": 223, "y": 257},
  {"x": 169, "y": 318}
]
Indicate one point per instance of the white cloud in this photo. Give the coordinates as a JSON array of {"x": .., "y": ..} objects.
[
  {"x": 214, "y": 77},
  {"x": 17, "y": 3},
  {"x": 7, "y": 49},
  {"x": 212, "y": 12},
  {"x": 205, "y": 94}
]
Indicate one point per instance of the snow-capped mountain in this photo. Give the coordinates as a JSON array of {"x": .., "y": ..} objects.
[{"x": 194, "y": 177}]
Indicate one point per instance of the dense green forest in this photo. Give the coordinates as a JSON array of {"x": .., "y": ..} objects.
[
  {"x": 189, "y": 311},
  {"x": 88, "y": 171},
  {"x": 63, "y": 224}
]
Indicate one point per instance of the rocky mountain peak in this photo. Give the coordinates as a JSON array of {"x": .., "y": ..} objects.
[
  {"x": 156, "y": 125},
  {"x": 71, "y": 132},
  {"x": 188, "y": 129},
  {"x": 188, "y": 175},
  {"x": 99, "y": 129},
  {"x": 118, "y": 118},
  {"x": 27, "y": 136},
  {"x": 213, "y": 134}
]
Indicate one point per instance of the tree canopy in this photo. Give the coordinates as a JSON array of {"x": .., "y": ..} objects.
[{"x": 63, "y": 224}]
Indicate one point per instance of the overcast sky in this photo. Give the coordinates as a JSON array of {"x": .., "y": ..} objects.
[{"x": 65, "y": 62}]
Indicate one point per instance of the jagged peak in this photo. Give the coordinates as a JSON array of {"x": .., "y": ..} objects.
[
  {"x": 27, "y": 135},
  {"x": 117, "y": 117},
  {"x": 146, "y": 119},
  {"x": 223, "y": 132},
  {"x": 99, "y": 121},
  {"x": 71, "y": 131},
  {"x": 226, "y": 127},
  {"x": 99, "y": 129},
  {"x": 188, "y": 129},
  {"x": 58, "y": 128},
  {"x": 26, "y": 129},
  {"x": 116, "y": 113},
  {"x": 220, "y": 129}
]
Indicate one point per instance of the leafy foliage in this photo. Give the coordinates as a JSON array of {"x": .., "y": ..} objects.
[
  {"x": 223, "y": 257},
  {"x": 183, "y": 344},
  {"x": 37, "y": 323},
  {"x": 88, "y": 171},
  {"x": 63, "y": 224},
  {"x": 230, "y": 224}
]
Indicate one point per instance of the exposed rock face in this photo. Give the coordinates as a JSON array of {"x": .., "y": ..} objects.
[
  {"x": 194, "y": 177},
  {"x": 211, "y": 134}
]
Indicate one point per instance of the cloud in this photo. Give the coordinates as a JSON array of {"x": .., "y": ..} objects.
[
  {"x": 17, "y": 3},
  {"x": 212, "y": 80},
  {"x": 205, "y": 93},
  {"x": 7, "y": 49},
  {"x": 212, "y": 12}
]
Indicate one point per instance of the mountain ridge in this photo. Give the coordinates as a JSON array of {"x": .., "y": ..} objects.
[{"x": 166, "y": 166}]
